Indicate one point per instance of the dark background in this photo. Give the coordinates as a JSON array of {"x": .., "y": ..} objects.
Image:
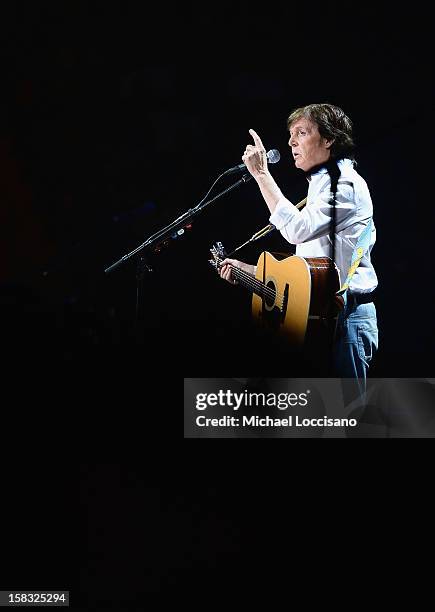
[{"x": 114, "y": 121}]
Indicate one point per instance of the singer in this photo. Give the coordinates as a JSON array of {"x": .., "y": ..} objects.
[{"x": 338, "y": 210}]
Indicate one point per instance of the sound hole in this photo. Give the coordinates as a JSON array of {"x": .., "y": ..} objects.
[{"x": 270, "y": 294}]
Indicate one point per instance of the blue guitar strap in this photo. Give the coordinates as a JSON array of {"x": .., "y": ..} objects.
[{"x": 361, "y": 247}]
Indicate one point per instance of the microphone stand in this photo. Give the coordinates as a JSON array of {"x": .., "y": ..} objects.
[{"x": 162, "y": 238}]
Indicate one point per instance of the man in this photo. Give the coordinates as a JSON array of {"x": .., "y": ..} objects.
[{"x": 322, "y": 146}]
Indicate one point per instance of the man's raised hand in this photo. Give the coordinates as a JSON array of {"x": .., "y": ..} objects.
[{"x": 254, "y": 157}]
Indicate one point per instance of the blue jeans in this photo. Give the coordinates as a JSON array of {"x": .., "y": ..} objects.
[{"x": 356, "y": 341}]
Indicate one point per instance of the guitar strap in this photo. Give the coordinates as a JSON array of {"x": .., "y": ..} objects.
[
  {"x": 363, "y": 241},
  {"x": 361, "y": 247},
  {"x": 334, "y": 174}
]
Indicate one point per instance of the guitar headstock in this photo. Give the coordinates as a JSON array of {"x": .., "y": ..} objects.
[{"x": 218, "y": 253}]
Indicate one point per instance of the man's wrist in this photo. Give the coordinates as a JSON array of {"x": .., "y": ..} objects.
[{"x": 263, "y": 177}]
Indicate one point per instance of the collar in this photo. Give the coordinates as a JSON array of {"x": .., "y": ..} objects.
[{"x": 325, "y": 166}]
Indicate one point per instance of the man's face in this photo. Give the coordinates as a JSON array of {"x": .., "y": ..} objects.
[{"x": 308, "y": 147}]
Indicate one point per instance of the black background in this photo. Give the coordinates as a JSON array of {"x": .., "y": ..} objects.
[{"x": 114, "y": 121}]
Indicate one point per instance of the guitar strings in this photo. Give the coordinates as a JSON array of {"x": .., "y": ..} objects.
[{"x": 254, "y": 282}]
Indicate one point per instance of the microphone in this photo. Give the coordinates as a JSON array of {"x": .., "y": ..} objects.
[{"x": 273, "y": 156}]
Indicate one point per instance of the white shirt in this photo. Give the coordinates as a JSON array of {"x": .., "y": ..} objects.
[{"x": 309, "y": 228}]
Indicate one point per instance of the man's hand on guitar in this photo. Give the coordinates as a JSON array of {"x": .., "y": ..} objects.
[{"x": 225, "y": 269}]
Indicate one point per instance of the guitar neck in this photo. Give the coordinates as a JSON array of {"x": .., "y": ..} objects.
[{"x": 249, "y": 281}]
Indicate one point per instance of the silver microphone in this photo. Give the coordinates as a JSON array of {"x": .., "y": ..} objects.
[{"x": 273, "y": 156}]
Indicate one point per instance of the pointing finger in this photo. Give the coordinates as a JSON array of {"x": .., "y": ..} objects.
[{"x": 257, "y": 139}]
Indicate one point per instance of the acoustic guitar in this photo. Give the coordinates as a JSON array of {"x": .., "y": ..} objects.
[{"x": 291, "y": 294}]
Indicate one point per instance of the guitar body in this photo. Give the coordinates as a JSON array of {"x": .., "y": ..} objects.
[
  {"x": 299, "y": 294},
  {"x": 293, "y": 296}
]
